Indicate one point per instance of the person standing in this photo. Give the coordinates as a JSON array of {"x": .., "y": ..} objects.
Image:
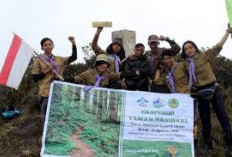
[
  {"x": 136, "y": 70},
  {"x": 47, "y": 67},
  {"x": 115, "y": 51},
  {"x": 154, "y": 59},
  {"x": 202, "y": 78}
]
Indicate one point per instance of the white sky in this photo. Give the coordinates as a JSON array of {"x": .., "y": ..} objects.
[{"x": 202, "y": 21}]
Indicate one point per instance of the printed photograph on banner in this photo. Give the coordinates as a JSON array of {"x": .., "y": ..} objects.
[{"x": 82, "y": 123}]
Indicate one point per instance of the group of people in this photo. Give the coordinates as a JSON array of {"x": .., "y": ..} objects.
[{"x": 155, "y": 70}]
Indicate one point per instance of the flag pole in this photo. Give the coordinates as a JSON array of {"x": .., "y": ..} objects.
[
  {"x": 58, "y": 75},
  {"x": 37, "y": 55}
]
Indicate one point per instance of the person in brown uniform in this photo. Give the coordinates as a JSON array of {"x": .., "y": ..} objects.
[
  {"x": 47, "y": 66},
  {"x": 173, "y": 74},
  {"x": 115, "y": 51},
  {"x": 99, "y": 76},
  {"x": 202, "y": 78},
  {"x": 175, "y": 77},
  {"x": 154, "y": 59}
]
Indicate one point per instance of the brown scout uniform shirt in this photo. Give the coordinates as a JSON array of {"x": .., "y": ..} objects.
[
  {"x": 88, "y": 78},
  {"x": 180, "y": 79},
  {"x": 110, "y": 57},
  {"x": 39, "y": 66},
  {"x": 174, "y": 47},
  {"x": 203, "y": 70}
]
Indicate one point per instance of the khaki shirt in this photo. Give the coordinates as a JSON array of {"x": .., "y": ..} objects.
[
  {"x": 39, "y": 66},
  {"x": 149, "y": 55},
  {"x": 110, "y": 57},
  {"x": 203, "y": 70},
  {"x": 180, "y": 79},
  {"x": 174, "y": 47},
  {"x": 88, "y": 77}
]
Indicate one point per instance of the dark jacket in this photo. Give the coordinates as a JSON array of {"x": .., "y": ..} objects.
[{"x": 135, "y": 81}]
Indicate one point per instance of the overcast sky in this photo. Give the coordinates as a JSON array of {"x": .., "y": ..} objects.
[{"x": 203, "y": 21}]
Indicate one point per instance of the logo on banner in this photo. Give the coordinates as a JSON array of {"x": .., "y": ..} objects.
[
  {"x": 158, "y": 103},
  {"x": 173, "y": 103},
  {"x": 142, "y": 102},
  {"x": 172, "y": 151}
]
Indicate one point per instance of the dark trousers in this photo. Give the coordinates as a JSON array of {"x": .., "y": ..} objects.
[
  {"x": 159, "y": 88},
  {"x": 43, "y": 105},
  {"x": 218, "y": 106},
  {"x": 134, "y": 85}
]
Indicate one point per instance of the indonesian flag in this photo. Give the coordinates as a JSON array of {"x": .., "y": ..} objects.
[{"x": 15, "y": 65}]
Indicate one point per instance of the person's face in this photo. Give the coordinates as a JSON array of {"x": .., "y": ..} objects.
[
  {"x": 190, "y": 50},
  {"x": 139, "y": 51},
  {"x": 102, "y": 67},
  {"x": 168, "y": 61},
  {"x": 116, "y": 47},
  {"x": 47, "y": 46},
  {"x": 153, "y": 45}
]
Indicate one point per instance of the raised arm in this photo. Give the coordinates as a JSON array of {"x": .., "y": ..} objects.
[
  {"x": 211, "y": 53},
  {"x": 174, "y": 46},
  {"x": 95, "y": 38},
  {"x": 225, "y": 36},
  {"x": 73, "y": 57}
]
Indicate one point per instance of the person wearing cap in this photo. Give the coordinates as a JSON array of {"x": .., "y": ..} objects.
[
  {"x": 115, "y": 51},
  {"x": 136, "y": 70},
  {"x": 202, "y": 78},
  {"x": 99, "y": 76},
  {"x": 47, "y": 66},
  {"x": 154, "y": 60}
]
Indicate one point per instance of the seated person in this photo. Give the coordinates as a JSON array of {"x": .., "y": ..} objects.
[{"x": 99, "y": 76}]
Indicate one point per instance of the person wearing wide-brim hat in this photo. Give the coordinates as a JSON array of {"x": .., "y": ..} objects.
[
  {"x": 99, "y": 76},
  {"x": 115, "y": 51}
]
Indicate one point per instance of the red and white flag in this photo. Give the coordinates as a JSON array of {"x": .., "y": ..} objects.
[{"x": 16, "y": 62}]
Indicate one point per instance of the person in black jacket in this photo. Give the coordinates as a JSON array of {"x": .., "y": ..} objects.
[{"x": 136, "y": 70}]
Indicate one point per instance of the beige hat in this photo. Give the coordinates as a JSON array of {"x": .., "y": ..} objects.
[{"x": 102, "y": 57}]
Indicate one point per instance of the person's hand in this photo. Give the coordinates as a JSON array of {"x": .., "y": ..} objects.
[
  {"x": 130, "y": 56},
  {"x": 137, "y": 72},
  {"x": 99, "y": 29},
  {"x": 72, "y": 40},
  {"x": 229, "y": 29},
  {"x": 194, "y": 92},
  {"x": 48, "y": 69},
  {"x": 162, "y": 38}
]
